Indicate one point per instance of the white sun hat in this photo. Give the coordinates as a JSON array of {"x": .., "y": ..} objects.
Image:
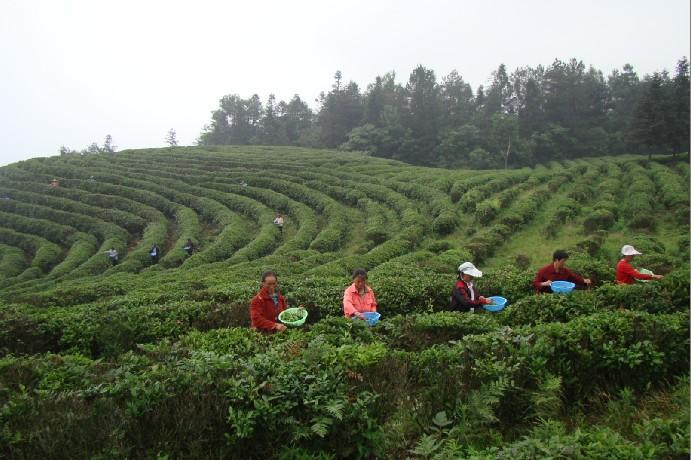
[
  {"x": 469, "y": 268},
  {"x": 628, "y": 250}
]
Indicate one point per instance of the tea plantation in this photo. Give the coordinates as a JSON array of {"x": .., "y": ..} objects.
[{"x": 156, "y": 360}]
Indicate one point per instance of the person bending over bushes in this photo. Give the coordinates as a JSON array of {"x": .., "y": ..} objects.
[
  {"x": 358, "y": 298},
  {"x": 188, "y": 247},
  {"x": 464, "y": 295},
  {"x": 267, "y": 305},
  {"x": 112, "y": 255},
  {"x": 278, "y": 221},
  {"x": 556, "y": 271},
  {"x": 625, "y": 273},
  {"x": 154, "y": 253}
]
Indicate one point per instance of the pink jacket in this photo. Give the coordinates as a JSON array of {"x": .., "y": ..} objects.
[{"x": 353, "y": 303}]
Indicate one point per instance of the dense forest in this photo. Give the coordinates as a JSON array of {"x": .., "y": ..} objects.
[{"x": 533, "y": 115}]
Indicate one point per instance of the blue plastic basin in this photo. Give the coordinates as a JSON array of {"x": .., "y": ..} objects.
[
  {"x": 562, "y": 287},
  {"x": 372, "y": 317},
  {"x": 498, "y": 303}
]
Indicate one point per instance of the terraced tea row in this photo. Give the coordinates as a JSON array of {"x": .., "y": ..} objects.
[{"x": 366, "y": 217}]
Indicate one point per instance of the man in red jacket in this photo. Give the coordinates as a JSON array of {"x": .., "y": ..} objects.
[
  {"x": 267, "y": 304},
  {"x": 556, "y": 271},
  {"x": 626, "y": 274}
]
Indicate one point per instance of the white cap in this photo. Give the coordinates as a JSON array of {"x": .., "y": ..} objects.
[
  {"x": 628, "y": 250},
  {"x": 469, "y": 269}
]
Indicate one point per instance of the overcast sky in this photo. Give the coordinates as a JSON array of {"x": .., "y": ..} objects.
[{"x": 74, "y": 71}]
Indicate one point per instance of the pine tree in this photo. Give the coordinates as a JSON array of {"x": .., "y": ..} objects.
[
  {"x": 108, "y": 146},
  {"x": 680, "y": 107},
  {"x": 423, "y": 122},
  {"x": 341, "y": 111},
  {"x": 171, "y": 138},
  {"x": 651, "y": 126}
]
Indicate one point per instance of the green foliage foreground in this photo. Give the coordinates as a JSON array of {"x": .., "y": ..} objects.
[{"x": 414, "y": 384}]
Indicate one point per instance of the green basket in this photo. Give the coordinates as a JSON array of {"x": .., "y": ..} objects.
[
  {"x": 645, "y": 271},
  {"x": 295, "y": 323}
]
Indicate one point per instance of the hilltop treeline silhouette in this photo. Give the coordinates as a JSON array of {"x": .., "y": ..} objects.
[{"x": 533, "y": 115}]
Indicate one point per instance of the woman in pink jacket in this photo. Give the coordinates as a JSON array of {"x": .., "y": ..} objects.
[{"x": 358, "y": 298}]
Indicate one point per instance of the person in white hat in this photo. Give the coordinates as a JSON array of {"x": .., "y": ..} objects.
[
  {"x": 625, "y": 273},
  {"x": 464, "y": 295}
]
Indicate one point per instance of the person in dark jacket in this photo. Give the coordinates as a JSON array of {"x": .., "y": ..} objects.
[
  {"x": 267, "y": 305},
  {"x": 113, "y": 255},
  {"x": 154, "y": 253},
  {"x": 464, "y": 296},
  {"x": 188, "y": 247}
]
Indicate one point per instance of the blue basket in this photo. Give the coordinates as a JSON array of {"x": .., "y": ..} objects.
[
  {"x": 562, "y": 287},
  {"x": 498, "y": 303},
  {"x": 372, "y": 317}
]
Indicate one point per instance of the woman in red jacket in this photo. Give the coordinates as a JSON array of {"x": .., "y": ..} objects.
[
  {"x": 626, "y": 274},
  {"x": 267, "y": 304}
]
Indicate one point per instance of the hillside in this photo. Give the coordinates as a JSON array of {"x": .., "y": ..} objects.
[{"x": 143, "y": 360}]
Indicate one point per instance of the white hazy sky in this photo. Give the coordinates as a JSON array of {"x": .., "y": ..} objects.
[{"x": 74, "y": 71}]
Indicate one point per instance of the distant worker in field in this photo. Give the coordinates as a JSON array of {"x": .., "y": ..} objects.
[
  {"x": 556, "y": 271},
  {"x": 278, "y": 221},
  {"x": 154, "y": 253},
  {"x": 358, "y": 298},
  {"x": 267, "y": 305},
  {"x": 188, "y": 247},
  {"x": 113, "y": 255},
  {"x": 625, "y": 273},
  {"x": 54, "y": 183},
  {"x": 464, "y": 296}
]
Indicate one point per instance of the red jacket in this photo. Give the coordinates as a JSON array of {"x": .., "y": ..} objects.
[
  {"x": 626, "y": 274},
  {"x": 548, "y": 273},
  {"x": 263, "y": 312}
]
